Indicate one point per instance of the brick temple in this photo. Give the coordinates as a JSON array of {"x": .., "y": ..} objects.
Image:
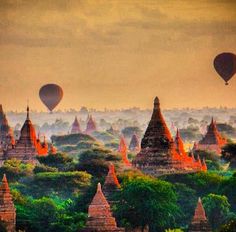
[
  {"x": 100, "y": 217},
  {"x": 160, "y": 154},
  {"x": 212, "y": 141},
  {"x": 111, "y": 184},
  {"x": 91, "y": 125},
  {"x": 7, "y": 208},
  {"x": 75, "y": 128},
  {"x": 134, "y": 144},
  {"x": 28, "y": 146},
  {"x": 199, "y": 222},
  {"x": 123, "y": 150}
]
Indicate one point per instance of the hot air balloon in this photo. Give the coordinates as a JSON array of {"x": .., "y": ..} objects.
[
  {"x": 225, "y": 65},
  {"x": 51, "y": 95}
]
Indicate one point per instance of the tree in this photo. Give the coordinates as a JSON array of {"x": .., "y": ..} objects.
[
  {"x": 147, "y": 202},
  {"x": 229, "y": 154},
  {"x": 96, "y": 161},
  {"x": 129, "y": 131},
  {"x": 217, "y": 209},
  {"x": 229, "y": 226},
  {"x": 59, "y": 160}
]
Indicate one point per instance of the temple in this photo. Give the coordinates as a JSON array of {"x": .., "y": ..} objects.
[
  {"x": 111, "y": 184},
  {"x": 28, "y": 146},
  {"x": 160, "y": 154},
  {"x": 6, "y": 133},
  {"x": 100, "y": 217},
  {"x": 75, "y": 127},
  {"x": 52, "y": 149},
  {"x": 91, "y": 125},
  {"x": 199, "y": 222},
  {"x": 134, "y": 144},
  {"x": 123, "y": 151},
  {"x": 212, "y": 141},
  {"x": 7, "y": 208}
]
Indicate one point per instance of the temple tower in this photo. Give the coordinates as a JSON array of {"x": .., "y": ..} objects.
[
  {"x": 111, "y": 183},
  {"x": 7, "y": 208},
  {"x": 199, "y": 222},
  {"x": 134, "y": 143},
  {"x": 28, "y": 146},
  {"x": 75, "y": 127},
  {"x": 213, "y": 140},
  {"x": 123, "y": 151},
  {"x": 91, "y": 125},
  {"x": 100, "y": 218}
]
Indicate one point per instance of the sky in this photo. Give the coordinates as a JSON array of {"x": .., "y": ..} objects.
[{"x": 116, "y": 53}]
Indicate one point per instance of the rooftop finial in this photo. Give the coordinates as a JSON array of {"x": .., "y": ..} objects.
[
  {"x": 27, "y": 109},
  {"x": 156, "y": 103}
]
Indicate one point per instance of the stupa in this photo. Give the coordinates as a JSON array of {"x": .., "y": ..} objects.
[
  {"x": 123, "y": 151},
  {"x": 199, "y": 222},
  {"x": 134, "y": 144},
  {"x": 28, "y": 146},
  {"x": 7, "y": 208},
  {"x": 111, "y": 184},
  {"x": 91, "y": 125},
  {"x": 160, "y": 154},
  {"x": 75, "y": 127},
  {"x": 100, "y": 218},
  {"x": 212, "y": 141}
]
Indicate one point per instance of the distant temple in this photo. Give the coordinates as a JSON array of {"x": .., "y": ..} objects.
[
  {"x": 199, "y": 222},
  {"x": 112, "y": 131},
  {"x": 75, "y": 127},
  {"x": 7, "y": 208},
  {"x": 91, "y": 125},
  {"x": 6, "y": 133},
  {"x": 160, "y": 154},
  {"x": 28, "y": 146},
  {"x": 123, "y": 151},
  {"x": 100, "y": 217},
  {"x": 134, "y": 143},
  {"x": 52, "y": 149},
  {"x": 212, "y": 141},
  {"x": 111, "y": 183}
]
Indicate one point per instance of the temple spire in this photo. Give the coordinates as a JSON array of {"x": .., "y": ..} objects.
[
  {"x": 156, "y": 103},
  {"x": 27, "y": 117}
]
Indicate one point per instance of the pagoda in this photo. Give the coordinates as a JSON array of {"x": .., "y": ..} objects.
[
  {"x": 6, "y": 133},
  {"x": 100, "y": 217},
  {"x": 91, "y": 125},
  {"x": 111, "y": 183},
  {"x": 160, "y": 154},
  {"x": 134, "y": 144},
  {"x": 123, "y": 151},
  {"x": 52, "y": 149},
  {"x": 28, "y": 146},
  {"x": 7, "y": 208},
  {"x": 199, "y": 222},
  {"x": 212, "y": 141},
  {"x": 75, "y": 127}
]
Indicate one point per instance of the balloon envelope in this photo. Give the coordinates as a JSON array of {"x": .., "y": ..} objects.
[
  {"x": 225, "y": 65},
  {"x": 51, "y": 95}
]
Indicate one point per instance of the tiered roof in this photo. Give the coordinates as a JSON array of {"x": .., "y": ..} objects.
[
  {"x": 134, "y": 143},
  {"x": 123, "y": 151},
  {"x": 7, "y": 208},
  {"x": 75, "y": 127},
  {"x": 160, "y": 154},
  {"x": 91, "y": 125},
  {"x": 100, "y": 217},
  {"x": 199, "y": 222}
]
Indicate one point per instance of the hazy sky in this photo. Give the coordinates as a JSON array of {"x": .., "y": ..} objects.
[{"x": 116, "y": 54}]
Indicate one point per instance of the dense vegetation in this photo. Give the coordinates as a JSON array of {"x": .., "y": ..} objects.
[{"x": 56, "y": 192}]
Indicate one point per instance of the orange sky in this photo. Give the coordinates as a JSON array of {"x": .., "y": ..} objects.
[{"x": 116, "y": 54}]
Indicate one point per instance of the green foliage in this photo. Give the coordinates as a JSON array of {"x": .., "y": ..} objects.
[
  {"x": 229, "y": 154},
  {"x": 217, "y": 209},
  {"x": 103, "y": 136},
  {"x": 147, "y": 201},
  {"x": 59, "y": 160},
  {"x": 63, "y": 184},
  {"x": 15, "y": 169},
  {"x": 96, "y": 161},
  {"x": 190, "y": 133},
  {"x": 44, "y": 168},
  {"x": 174, "y": 230},
  {"x": 229, "y": 226}
]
